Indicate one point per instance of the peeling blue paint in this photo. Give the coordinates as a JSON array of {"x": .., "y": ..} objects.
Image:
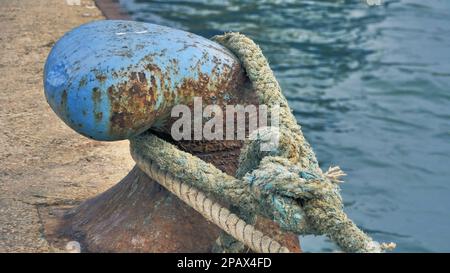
[{"x": 101, "y": 54}]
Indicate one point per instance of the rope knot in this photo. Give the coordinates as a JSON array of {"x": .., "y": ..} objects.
[{"x": 278, "y": 176}]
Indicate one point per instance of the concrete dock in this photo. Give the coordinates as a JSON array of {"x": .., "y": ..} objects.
[{"x": 44, "y": 165}]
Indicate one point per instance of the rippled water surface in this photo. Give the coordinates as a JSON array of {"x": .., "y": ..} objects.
[{"x": 371, "y": 88}]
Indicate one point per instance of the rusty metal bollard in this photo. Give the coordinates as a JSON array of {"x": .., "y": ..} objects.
[{"x": 111, "y": 80}]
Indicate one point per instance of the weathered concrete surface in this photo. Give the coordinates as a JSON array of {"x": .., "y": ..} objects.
[{"x": 43, "y": 163}]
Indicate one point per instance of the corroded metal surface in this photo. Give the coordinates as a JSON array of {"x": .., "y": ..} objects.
[
  {"x": 113, "y": 79},
  {"x": 137, "y": 215}
]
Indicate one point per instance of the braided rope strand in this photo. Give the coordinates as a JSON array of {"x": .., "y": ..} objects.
[
  {"x": 212, "y": 211},
  {"x": 325, "y": 215}
]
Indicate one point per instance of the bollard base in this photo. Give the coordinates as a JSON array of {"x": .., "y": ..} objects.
[{"x": 137, "y": 215}]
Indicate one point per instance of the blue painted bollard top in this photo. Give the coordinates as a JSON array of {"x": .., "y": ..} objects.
[{"x": 110, "y": 80}]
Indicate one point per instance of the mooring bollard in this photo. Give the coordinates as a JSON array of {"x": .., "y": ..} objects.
[{"x": 112, "y": 80}]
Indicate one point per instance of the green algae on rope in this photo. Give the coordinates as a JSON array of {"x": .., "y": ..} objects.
[
  {"x": 213, "y": 211},
  {"x": 285, "y": 185},
  {"x": 324, "y": 214},
  {"x": 148, "y": 149}
]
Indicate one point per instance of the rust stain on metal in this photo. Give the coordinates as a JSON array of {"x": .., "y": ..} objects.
[
  {"x": 83, "y": 82},
  {"x": 64, "y": 99},
  {"x": 63, "y": 104},
  {"x": 100, "y": 77},
  {"x": 96, "y": 98},
  {"x": 98, "y": 116},
  {"x": 132, "y": 103},
  {"x": 96, "y": 95}
]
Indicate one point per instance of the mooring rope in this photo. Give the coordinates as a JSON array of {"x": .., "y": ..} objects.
[
  {"x": 285, "y": 184},
  {"x": 211, "y": 210}
]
